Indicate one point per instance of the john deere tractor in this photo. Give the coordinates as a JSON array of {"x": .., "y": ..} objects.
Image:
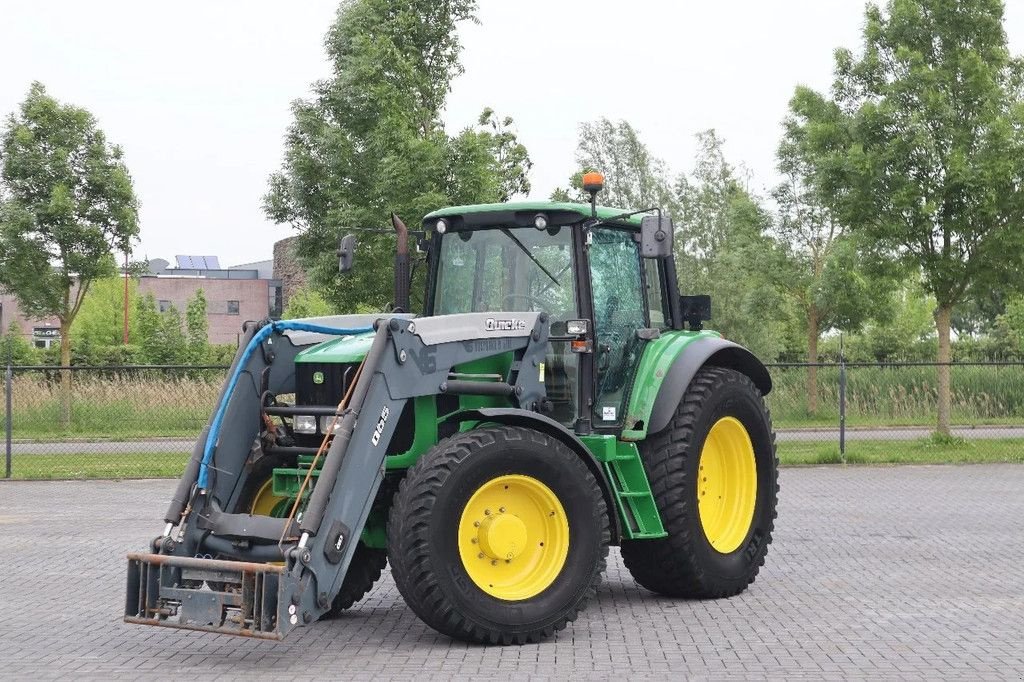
[{"x": 557, "y": 397}]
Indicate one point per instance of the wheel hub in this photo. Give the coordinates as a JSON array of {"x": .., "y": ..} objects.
[
  {"x": 513, "y": 537},
  {"x": 502, "y": 537}
]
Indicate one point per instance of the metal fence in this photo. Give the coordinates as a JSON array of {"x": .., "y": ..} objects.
[{"x": 130, "y": 422}]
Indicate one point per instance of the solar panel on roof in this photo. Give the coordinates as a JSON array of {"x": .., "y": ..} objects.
[{"x": 197, "y": 262}]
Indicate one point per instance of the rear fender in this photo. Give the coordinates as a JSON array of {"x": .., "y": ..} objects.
[
  {"x": 704, "y": 350},
  {"x": 548, "y": 426}
]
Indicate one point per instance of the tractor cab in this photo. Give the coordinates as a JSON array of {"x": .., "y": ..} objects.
[{"x": 585, "y": 268}]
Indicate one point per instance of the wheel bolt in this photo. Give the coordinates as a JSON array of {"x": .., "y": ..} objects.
[
  {"x": 480, "y": 555},
  {"x": 476, "y": 523},
  {"x": 494, "y": 562},
  {"x": 487, "y": 512},
  {"x": 473, "y": 540},
  {"x": 501, "y": 510}
]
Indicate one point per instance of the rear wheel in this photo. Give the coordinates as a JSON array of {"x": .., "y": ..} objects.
[
  {"x": 367, "y": 563},
  {"x": 714, "y": 475},
  {"x": 498, "y": 535}
]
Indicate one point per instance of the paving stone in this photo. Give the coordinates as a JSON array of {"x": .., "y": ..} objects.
[{"x": 897, "y": 572}]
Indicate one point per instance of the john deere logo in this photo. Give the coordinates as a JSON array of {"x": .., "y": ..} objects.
[{"x": 318, "y": 377}]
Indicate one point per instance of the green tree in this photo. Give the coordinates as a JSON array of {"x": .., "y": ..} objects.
[
  {"x": 724, "y": 248},
  {"x": 370, "y": 141},
  {"x": 197, "y": 328},
  {"x": 307, "y": 302},
  {"x": 921, "y": 150},
  {"x": 100, "y": 321},
  {"x": 67, "y": 205},
  {"x": 827, "y": 281},
  {"x": 16, "y": 348},
  {"x": 172, "y": 345},
  {"x": 147, "y": 325},
  {"x": 634, "y": 178}
]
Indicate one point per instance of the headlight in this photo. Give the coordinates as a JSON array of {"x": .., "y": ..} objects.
[
  {"x": 576, "y": 327},
  {"x": 305, "y": 424},
  {"x": 325, "y": 424}
]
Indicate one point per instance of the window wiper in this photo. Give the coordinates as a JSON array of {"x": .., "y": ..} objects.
[
  {"x": 544, "y": 289},
  {"x": 515, "y": 240}
]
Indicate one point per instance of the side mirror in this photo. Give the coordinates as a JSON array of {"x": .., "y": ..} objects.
[
  {"x": 655, "y": 236},
  {"x": 346, "y": 252}
]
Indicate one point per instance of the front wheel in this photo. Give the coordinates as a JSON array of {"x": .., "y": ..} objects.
[
  {"x": 498, "y": 535},
  {"x": 714, "y": 474},
  {"x": 258, "y": 498}
]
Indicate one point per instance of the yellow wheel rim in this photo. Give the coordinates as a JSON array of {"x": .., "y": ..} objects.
[
  {"x": 513, "y": 537},
  {"x": 727, "y": 485},
  {"x": 266, "y": 503}
]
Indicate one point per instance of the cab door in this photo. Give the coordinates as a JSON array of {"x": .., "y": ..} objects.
[{"x": 619, "y": 311}]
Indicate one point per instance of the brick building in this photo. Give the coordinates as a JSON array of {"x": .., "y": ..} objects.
[{"x": 233, "y": 295}]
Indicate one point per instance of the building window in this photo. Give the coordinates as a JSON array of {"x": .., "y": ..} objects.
[
  {"x": 232, "y": 307},
  {"x": 45, "y": 337},
  {"x": 165, "y": 306}
]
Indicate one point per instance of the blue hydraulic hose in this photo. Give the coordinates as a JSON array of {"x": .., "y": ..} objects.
[{"x": 257, "y": 339}]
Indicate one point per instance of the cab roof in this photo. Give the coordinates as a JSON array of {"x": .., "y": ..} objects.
[{"x": 603, "y": 212}]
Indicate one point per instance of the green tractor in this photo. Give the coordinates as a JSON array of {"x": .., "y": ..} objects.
[{"x": 558, "y": 396}]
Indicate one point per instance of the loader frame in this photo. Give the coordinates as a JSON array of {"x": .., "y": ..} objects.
[{"x": 236, "y": 573}]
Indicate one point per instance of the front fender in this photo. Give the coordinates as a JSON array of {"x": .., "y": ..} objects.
[{"x": 665, "y": 375}]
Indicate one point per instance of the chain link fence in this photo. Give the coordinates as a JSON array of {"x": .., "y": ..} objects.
[
  {"x": 132, "y": 422},
  {"x": 105, "y": 422},
  {"x": 887, "y": 412}
]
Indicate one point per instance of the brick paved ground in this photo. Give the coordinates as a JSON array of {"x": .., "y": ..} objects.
[{"x": 909, "y": 572}]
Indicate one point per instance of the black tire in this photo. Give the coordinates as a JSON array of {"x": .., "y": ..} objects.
[
  {"x": 367, "y": 563},
  {"x": 260, "y": 472},
  {"x": 365, "y": 569},
  {"x": 423, "y": 543},
  {"x": 684, "y": 564}
]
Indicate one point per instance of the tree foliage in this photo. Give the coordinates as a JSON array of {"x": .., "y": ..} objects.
[
  {"x": 15, "y": 348},
  {"x": 634, "y": 177},
  {"x": 370, "y": 140},
  {"x": 100, "y": 321},
  {"x": 67, "y": 204},
  {"x": 920, "y": 149},
  {"x": 197, "y": 328},
  {"x": 724, "y": 248},
  {"x": 306, "y": 302}
]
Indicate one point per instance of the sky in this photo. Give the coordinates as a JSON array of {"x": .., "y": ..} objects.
[{"x": 198, "y": 94}]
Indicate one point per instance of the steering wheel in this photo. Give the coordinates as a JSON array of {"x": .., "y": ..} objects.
[{"x": 541, "y": 305}]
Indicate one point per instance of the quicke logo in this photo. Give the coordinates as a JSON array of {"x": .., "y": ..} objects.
[{"x": 493, "y": 325}]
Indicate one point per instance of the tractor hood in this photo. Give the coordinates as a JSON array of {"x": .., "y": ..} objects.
[
  {"x": 343, "y": 349},
  {"x": 340, "y": 349}
]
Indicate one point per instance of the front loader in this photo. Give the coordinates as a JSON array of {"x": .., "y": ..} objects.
[{"x": 557, "y": 397}]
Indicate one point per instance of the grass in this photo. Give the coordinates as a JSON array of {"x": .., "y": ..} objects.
[
  {"x": 150, "y": 403},
  {"x": 898, "y": 396},
  {"x": 114, "y": 406},
  {"x": 91, "y": 465},
  {"x": 923, "y": 451}
]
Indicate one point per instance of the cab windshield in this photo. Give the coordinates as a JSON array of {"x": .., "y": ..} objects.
[{"x": 507, "y": 269}]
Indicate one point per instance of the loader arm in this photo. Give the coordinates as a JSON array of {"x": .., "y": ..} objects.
[{"x": 259, "y": 576}]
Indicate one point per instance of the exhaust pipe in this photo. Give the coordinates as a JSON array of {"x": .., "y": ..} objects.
[{"x": 402, "y": 282}]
